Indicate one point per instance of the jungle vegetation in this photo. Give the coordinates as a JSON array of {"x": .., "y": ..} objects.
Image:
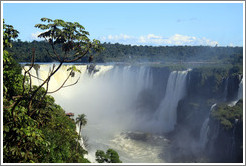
[{"x": 35, "y": 128}]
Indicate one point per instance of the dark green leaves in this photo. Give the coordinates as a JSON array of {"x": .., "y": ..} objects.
[
  {"x": 72, "y": 37},
  {"x": 111, "y": 156},
  {"x": 62, "y": 32},
  {"x": 46, "y": 19},
  {"x": 9, "y": 33},
  {"x": 226, "y": 115},
  {"x": 81, "y": 120}
]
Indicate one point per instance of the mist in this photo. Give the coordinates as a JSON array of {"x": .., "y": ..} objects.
[{"x": 133, "y": 110}]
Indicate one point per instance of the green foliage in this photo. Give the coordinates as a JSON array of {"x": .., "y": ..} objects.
[
  {"x": 101, "y": 156},
  {"x": 73, "y": 69},
  {"x": 23, "y": 139},
  {"x": 9, "y": 33},
  {"x": 128, "y": 53},
  {"x": 35, "y": 129},
  {"x": 12, "y": 76},
  {"x": 48, "y": 135},
  {"x": 226, "y": 115},
  {"x": 208, "y": 81},
  {"x": 11, "y": 69},
  {"x": 81, "y": 121},
  {"x": 60, "y": 131},
  {"x": 111, "y": 156},
  {"x": 236, "y": 69},
  {"x": 70, "y": 37}
]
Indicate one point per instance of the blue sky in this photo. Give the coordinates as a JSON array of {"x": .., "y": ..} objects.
[{"x": 138, "y": 23}]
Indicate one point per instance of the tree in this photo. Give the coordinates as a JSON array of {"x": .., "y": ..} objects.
[
  {"x": 101, "y": 156},
  {"x": 28, "y": 110},
  {"x": 81, "y": 121},
  {"x": 11, "y": 70},
  {"x": 72, "y": 37},
  {"x": 9, "y": 33},
  {"x": 74, "y": 43},
  {"x": 22, "y": 137},
  {"x": 111, "y": 156}
]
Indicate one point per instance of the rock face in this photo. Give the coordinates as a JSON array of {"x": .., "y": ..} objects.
[
  {"x": 205, "y": 88},
  {"x": 225, "y": 142}
]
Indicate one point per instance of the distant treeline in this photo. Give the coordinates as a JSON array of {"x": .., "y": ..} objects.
[{"x": 22, "y": 51}]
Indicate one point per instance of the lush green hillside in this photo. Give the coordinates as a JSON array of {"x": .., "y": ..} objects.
[{"x": 21, "y": 52}]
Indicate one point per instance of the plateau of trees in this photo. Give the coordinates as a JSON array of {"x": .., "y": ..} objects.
[
  {"x": 35, "y": 128},
  {"x": 226, "y": 115},
  {"x": 127, "y": 53}
]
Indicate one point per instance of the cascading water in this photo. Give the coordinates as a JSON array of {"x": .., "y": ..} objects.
[
  {"x": 204, "y": 133},
  {"x": 239, "y": 94},
  {"x": 166, "y": 115},
  {"x": 204, "y": 130},
  {"x": 240, "y": 90},
  {"x": 81, "y": 142},
  {"x": 108, "y": 99}
]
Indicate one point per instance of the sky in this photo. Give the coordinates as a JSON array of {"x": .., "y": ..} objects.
[{"x": 156, "y": 24}]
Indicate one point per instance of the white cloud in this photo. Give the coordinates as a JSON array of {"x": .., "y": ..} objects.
[
  {"x": 152, "y": 39},
  {"x": 34, "y": 36},
  {"x": 117, "y": 38}
]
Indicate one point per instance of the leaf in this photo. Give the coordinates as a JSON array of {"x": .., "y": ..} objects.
[
  {"x": 6, "y": 128},
  {"x": 46, "y": 19},
  {"x": 22, "y": 154}
]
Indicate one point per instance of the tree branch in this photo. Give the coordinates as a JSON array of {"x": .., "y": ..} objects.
[
  {"x": 48, "y": 78},
  {"x": 62, "y": 84},
  {"x": 79, "y": 57}
]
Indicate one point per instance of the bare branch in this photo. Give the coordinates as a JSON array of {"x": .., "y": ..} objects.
[
  {"x": 30, "y": 82},
  {"x": 47, "y": 79},
  {"x": 65, "y": 86},
  {"x": 23, "y": 82},
  {"x": 62, "y": 84},
  {"x": 79, "y": 57},
  {"x": 49, "y": 53},
  {"x": 72, "y": 84},
  {"x": 36, "y": 77}
]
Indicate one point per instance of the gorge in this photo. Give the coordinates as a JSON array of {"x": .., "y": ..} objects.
[{"x": 150, "y": 113}]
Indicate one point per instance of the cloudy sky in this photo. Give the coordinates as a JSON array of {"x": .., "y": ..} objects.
[{"x": 137, "y": 23}]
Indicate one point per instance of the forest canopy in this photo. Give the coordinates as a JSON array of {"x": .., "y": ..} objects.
[{"x": 127, "y": 53}]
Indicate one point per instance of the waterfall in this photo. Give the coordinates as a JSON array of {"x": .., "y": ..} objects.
[
  {"x": 166, "y": 114},
  {"x": 204, "y": 130},
  {"x": 240, "y": 90},
  {"x": 108, "y": 98},
  {"x": 60, "y": 76},
  {"x": 239, "y": 94},
  {"x": 81, "y": 141},
  {"x": 131, "y": 79},
  {"x": 204, "y": 133}
]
